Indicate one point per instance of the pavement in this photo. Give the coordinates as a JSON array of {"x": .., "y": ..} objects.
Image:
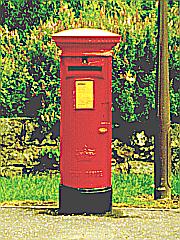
[{"x": 31, "y": 223}]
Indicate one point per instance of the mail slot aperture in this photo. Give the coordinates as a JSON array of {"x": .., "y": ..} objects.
[{"x": 84, "y": 68}]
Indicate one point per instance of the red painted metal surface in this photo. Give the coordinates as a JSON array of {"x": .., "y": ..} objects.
[{"x": 86, "y": 122}]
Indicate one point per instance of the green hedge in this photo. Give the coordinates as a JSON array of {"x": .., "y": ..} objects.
[
  {"x": 23, "y": 15},
  {"x": 29, "y": 60}
]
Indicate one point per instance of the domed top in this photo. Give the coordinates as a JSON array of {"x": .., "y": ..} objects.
[
  {"x": 85, "y": 41},
  {"x": 85, "y": 32}
]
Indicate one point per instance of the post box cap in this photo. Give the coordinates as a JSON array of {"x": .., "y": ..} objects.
[
  {"x": 87, "y": 39},
  {"x": 85, "y": 35},
  {"x": 85, "y": 32}
]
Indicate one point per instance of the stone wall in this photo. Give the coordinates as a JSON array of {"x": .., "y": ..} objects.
[
  {"x": 18, "y": 152},
  {"x": 21, "y": 151}
]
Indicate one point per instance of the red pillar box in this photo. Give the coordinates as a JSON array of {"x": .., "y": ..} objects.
[{"x": 86, "y": 119}]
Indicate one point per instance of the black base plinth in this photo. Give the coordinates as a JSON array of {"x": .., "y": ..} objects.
[{"x": 89, "y": 201}]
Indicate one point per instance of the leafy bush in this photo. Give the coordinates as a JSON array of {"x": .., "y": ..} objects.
[
  {"x": 29, "y": 59},
  {"x": 23, "y": 15},
  {"x": 29, "y": 69},
  {"x": 175, "y": 151}
]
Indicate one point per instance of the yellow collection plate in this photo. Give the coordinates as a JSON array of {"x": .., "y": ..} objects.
[{"x": 84, "y": 95}]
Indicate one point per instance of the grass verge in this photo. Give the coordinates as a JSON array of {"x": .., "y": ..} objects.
[
  {"x": 137, "y": 190},
  {"x": 128, "y": 190},
  {"x": 38, "y": 188}
]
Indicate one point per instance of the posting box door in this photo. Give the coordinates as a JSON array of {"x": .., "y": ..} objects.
[{"x": 86, "y": 133}]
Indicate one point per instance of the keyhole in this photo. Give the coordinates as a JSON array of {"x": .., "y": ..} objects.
[{"x": 84, "y": 60}]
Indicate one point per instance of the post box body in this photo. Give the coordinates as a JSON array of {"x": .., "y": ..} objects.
[{"x": 86, "y": 120}]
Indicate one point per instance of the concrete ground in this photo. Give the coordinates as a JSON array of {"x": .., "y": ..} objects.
[{"x": 128, "y": 223}]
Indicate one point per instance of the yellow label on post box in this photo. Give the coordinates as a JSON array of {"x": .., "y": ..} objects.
[{"x": 84, "y": 95}]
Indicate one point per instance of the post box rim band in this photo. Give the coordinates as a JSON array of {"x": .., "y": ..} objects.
[
  {"x": 104, "y": 53},
  {"x": 90, "y": 190}
]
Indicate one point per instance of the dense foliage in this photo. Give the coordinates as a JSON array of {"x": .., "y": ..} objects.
[{"x": 29, "y": 59}]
